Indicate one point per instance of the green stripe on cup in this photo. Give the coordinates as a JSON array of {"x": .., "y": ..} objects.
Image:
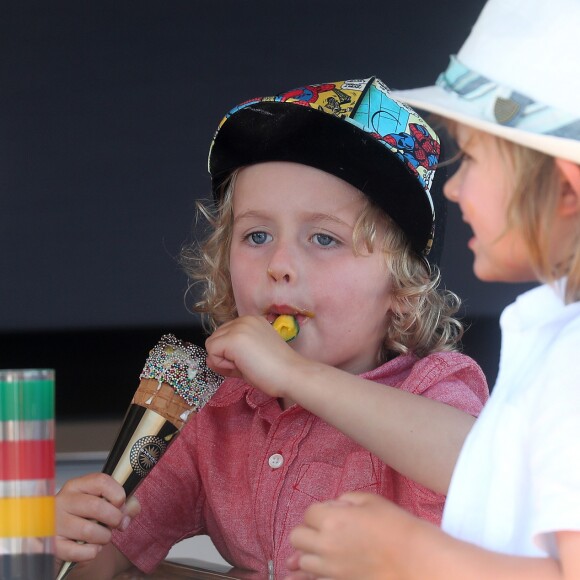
[{"x": 26, "y": 395}]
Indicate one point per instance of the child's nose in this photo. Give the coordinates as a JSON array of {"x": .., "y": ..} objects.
[
  {"x": 278, "y": 275},
  {"x": 281, "y": 266},
  {"x": 450, "y": 188}
]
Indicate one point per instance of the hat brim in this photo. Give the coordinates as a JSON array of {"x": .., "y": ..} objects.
[
  {"x": 276, "y": 131},
  {"x": 451, "y": 106}
]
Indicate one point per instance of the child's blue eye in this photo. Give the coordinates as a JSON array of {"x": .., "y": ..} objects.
[
  {"x": 323, "y": 239},
  {"x": 258, "y": 238}
]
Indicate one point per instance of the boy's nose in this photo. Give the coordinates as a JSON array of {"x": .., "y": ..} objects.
[
  {"x": 278, "y": 274},
  {"x": 281, "y": 265}
]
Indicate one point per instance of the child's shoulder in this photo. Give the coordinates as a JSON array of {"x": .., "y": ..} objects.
[
  {"x": 448, "y": 376},
  {"x": 448, "y": 362}
]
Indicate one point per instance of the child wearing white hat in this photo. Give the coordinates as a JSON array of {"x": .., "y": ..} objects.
[{"x": 511, "y": 98}]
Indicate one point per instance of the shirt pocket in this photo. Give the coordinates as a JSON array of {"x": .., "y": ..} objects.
[{"x": 318, "y": 481}]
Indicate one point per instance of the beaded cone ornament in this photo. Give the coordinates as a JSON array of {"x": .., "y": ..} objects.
[{"x": 175, "y": 380}]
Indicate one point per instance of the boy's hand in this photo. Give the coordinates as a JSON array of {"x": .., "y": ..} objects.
[
  {"x": 248, "y": 347},
  {"x": 87, "y": 508},
  {"x": 359, "y": 535}
]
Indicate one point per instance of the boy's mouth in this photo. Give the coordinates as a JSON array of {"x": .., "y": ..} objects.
[{"x": 275, "y": 310}]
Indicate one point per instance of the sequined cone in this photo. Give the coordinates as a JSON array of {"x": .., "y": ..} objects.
[{"x": 175, "y": 382}]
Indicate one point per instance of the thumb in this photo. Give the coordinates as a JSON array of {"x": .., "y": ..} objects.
[{"x": 131, "y": 509}]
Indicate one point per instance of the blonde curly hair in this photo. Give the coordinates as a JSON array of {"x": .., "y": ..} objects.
[{"x": 421, "y": 322}]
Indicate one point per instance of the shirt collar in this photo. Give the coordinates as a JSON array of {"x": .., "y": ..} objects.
[
  {"x": 233, "y": 390},
  {"x": 539, "y": 306}
]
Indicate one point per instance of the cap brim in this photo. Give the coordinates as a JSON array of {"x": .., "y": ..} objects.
[{"x": 449, "y": 105}]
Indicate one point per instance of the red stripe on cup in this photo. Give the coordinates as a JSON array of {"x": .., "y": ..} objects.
[{"x": 28, "y": 459}]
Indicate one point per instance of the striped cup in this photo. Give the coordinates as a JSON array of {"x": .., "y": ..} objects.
[{"x": 27, "y": 468}]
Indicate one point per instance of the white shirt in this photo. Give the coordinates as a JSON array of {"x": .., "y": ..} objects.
[{"x": 517, "y": 480}]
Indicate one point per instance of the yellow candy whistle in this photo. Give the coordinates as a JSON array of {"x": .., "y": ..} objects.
[{"x": 286, "y": 326}]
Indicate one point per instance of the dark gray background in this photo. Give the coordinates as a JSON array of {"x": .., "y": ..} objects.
[{"x": 107, "y": 109}]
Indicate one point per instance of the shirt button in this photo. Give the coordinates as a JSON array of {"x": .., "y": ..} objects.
[{"x": 275, "y": 461}]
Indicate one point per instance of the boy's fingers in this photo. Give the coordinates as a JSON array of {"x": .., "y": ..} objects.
[
  {"x": 300, "y": 576},
  {"x": 304, "y": 538},
  {"x": 90, "y": 508},
  {"x": 98, "y": 484},
  {"x": 132, "y": 507},
  {"x": 70, "y": 551},
  {"x": 130, "y": 510},
  {"x": 293, "y": 564},
  {"x": 80, "y": 529},
  {"x": 317, "y": 513},
  {"x": 356, "y": 498},
  {"x": 312, "y": 566}
]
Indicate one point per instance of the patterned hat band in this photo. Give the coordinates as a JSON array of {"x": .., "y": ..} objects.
[{"x": 500, "y": 104}]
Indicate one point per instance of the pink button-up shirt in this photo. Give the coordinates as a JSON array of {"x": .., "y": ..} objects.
[{"x": 243, "y": 471}]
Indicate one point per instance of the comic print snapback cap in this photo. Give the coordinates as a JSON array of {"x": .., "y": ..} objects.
[{"x": 354, "y": 130}]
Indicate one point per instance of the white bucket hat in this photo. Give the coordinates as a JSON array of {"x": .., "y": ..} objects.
[{"x": 517, "y": 76}]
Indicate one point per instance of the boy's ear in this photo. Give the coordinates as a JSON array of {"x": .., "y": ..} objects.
[{"x": 570, "y": 194}]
